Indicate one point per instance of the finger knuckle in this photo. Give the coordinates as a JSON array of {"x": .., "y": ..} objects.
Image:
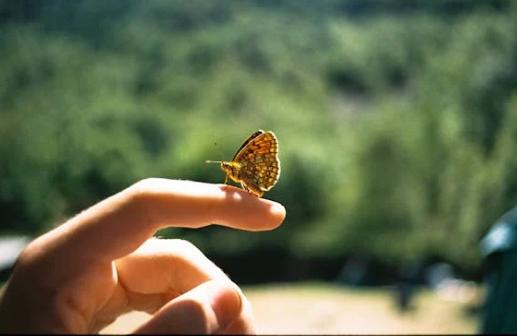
[
  {"x": 28, "y": 255},
  {"x": 143, "y": 185}
]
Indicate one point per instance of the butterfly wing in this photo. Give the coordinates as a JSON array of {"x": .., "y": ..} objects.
[
  {"x": 246, "y": 142},
  {"x": 259, "y": 163}
]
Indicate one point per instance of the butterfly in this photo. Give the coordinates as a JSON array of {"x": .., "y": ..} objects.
[{"x": 255, "y": 165}]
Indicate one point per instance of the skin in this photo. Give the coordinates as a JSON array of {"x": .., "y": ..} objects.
[{"x": 82, "y": 275}]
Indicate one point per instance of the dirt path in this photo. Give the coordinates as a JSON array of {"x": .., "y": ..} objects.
[{"x": 306, "y": 309}]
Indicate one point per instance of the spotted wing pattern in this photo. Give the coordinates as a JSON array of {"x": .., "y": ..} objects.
[
  {"x": 251, "y": 137},
  {"x": 259, "y": 164}
]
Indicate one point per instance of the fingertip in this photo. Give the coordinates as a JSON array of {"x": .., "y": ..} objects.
[
  {"x": 226, "y": 303},
  {"x": 278, "y": 212},
  {"x": 245, "y": 211},
  {"x": 271, "y": 216},
  {"x": 209, "y": 308},
  {"x": 245, "y": 323}
]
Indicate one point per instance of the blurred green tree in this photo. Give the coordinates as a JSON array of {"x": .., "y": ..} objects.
[{"x": 396, "y": 121}]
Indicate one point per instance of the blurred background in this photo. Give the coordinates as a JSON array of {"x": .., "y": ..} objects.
[{"x": 397, "y": 124}]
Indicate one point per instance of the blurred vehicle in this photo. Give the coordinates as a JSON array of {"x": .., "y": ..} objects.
[{"x": 499, "y": 250}]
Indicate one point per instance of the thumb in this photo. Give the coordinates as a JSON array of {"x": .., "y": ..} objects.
[{"x": 207, "y": 309}]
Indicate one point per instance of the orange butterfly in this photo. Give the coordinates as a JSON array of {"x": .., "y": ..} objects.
[{"x": 255, "y": 165}]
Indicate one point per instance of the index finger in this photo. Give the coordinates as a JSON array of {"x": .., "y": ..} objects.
[{"x": 119, "y": 224}]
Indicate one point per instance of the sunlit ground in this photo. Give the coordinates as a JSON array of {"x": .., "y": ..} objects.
[{"x": 318, "y": 308}]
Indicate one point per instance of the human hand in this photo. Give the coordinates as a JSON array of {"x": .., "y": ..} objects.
[{"x": 103, "y": 262}]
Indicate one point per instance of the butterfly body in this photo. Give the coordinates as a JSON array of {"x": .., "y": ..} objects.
[
  {"x": 255, "y": 165},
  {"x": 232, "y": 170}
]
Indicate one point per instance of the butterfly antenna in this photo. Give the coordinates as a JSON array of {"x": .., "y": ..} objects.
[{"x": 210, "y": 161}]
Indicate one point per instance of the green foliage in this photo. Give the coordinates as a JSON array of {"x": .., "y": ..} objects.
[{"x": 396, "y": 123}]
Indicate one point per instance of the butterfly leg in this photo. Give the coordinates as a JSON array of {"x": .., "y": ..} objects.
[
  {"x": 252, "y": 191},
  {"x": 226, "y": 179}
]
